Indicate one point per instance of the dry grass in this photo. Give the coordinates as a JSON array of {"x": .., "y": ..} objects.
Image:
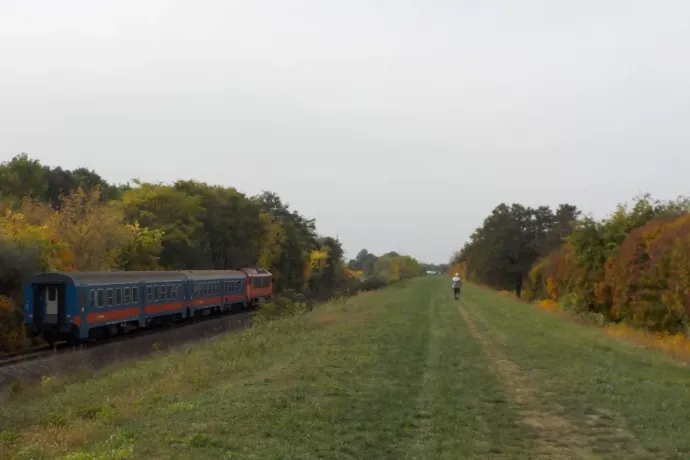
[{"x": 676, "y": 346}]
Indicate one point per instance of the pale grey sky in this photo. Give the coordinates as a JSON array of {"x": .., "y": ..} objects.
[{"x": 398, "y": 125}]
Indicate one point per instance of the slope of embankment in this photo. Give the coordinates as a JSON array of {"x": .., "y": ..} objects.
[{"x": 404, "y": 372}]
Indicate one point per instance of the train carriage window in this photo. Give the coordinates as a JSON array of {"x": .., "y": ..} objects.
[
  {"x": 180, "y": 293},
  {"x": 127, "y": 296},
  {"x": 109, "y": 297},
  {"x": 156, "y": 292},
  {"x": 94, "y": 301},
  {"x": 170, "y": 292},
  {"x": 101, "y": 298},
  {"x": 135, "y": 294},
  {"x": 83, "y": 299},
  {"x": 149, "y": 294},
  {"x": 118, "y": 296}
]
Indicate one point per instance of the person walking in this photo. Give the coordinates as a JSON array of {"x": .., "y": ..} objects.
[{"x": 457, "y": 284}]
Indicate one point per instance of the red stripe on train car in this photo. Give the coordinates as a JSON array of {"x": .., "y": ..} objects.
[
  {"x": 76, "y": 320},
  {"x": 125, "y": 313},
  {"x": 164, "y": 307},
  {"x": 234, "y": 297},
  {"x": 206, "y": 301}
]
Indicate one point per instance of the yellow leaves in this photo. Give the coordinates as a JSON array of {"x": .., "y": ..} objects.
[
  {"x": 676, "y": 345},
  {"x": 551, "y": 288},
  {"x": 353, "y": 274},
  {"x": 316, "y": 263},
  {"x": 270, "y": 242},
  {"x": 93, "y": 229},
  {"x": 549, "y": 305},
  {"x": 52, "y": 252},
  {"x": 142, "y": 249}
]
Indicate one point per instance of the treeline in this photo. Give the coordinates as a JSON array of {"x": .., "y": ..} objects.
[
  {"x": 632, "y": 266},
  {"x": 56, "y": 219},
  {"x": 390, "y": 267}
]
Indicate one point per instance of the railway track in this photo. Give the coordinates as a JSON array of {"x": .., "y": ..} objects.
[
  {"x": 20, "y": 357},
  {"x": 48, "y": 352}
]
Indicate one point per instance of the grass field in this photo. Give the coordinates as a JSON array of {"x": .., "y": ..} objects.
[{"x": 402, "y": 373}]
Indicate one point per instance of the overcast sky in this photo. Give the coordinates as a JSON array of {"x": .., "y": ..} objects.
[{"x": 397, "y": 124}]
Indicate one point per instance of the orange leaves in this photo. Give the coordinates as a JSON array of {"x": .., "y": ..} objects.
[
  {"x": 459, "y": 268},
  {"x": 6, "y": 304},
  {"x": 675, "y": 345},
  {"x": 647, "y": 282},
  {"x": 549, "y": 305}
]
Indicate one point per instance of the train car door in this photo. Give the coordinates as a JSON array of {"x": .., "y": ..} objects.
[{"x": 53, "y": 296}]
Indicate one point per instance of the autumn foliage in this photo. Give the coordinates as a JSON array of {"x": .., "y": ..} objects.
[
  {"x": 632, "y": 268},
  {"x": 55, "y": 219}
]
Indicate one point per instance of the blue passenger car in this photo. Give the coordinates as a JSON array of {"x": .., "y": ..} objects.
[
  {"x": 76, "y": 305},
  {"x": 215, "y": 290}
]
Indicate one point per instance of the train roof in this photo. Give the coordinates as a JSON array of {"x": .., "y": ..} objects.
[
  {"x": 123, "y": 277},
  {"x": 114, "y": 277},
  {"x": 256, "y": 271},
  {"x": 202, "y": 275}
]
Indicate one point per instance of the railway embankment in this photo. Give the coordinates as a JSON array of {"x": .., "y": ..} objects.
[{"x": 404, "y": 372}]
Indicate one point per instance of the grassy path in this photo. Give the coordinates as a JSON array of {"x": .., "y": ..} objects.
[
  {"x": 404, "y": 373},
  {"x": 626, "y": 402}
]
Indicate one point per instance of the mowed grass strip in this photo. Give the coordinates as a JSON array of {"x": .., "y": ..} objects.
[
  {"x": 465, "y": 411},
  {"x": 630, "y": 402},
  {"x": 391, "y": 374}
]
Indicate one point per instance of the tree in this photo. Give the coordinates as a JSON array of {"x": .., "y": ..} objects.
[
  {"x": 22, "y": 177},
  {"x": 510, "y": 240},
  {"x": 94, "y": 230},
  {"x": 365, "y": 261},
  {"x": 232, "y": 226},
  {"x": 297, "y": 239},
  {"x": 142, "y": 249},
  {"x": 174, "y": 212}
]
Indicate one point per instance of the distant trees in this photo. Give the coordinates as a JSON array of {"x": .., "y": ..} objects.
[
  {"x": 511, "y": 239},
  {"x": 57, "y": 219},
  {"x": 630, "y": 266},
  {"x": 389, "y": 268}
]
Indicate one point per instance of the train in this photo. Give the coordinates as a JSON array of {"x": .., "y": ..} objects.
[{"x": 78, "y": 306}]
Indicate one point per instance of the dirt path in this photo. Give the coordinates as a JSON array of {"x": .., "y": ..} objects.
[{"x": 556, "y": 437}]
